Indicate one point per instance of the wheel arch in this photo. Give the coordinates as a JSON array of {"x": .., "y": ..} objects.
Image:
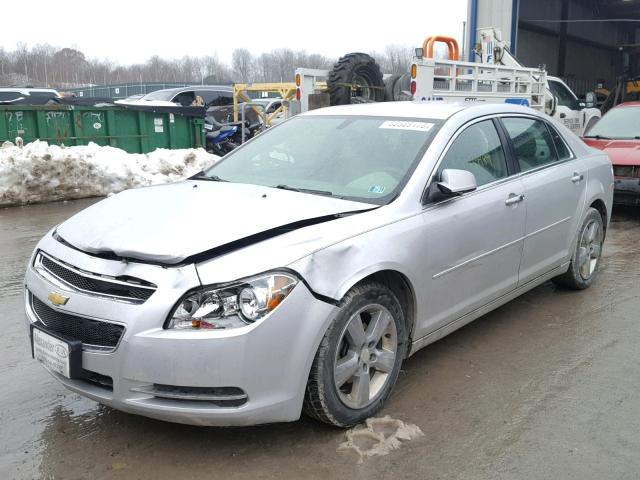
[
  {"x": 599, "y": 205},
  {"x": 403, "y": 289}
]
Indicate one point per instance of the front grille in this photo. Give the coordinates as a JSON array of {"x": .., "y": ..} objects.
[
  {"x": 89, "y": 283},
  {"x": 96, "y": 333},
  {"x": 628, "y": 171}
]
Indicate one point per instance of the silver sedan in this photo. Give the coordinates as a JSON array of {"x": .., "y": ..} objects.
[{"x": 300, "y": 271}]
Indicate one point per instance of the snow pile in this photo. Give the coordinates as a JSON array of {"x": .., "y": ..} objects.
[{"x": 39, "y": 172}]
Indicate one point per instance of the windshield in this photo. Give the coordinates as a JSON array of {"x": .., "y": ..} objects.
[
  {"x": 619, "y": 123},
  {"x": 166, "y": 95},
  {"x": 360, "y": 158}
]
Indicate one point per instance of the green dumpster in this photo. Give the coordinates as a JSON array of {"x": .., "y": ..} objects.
[{"x": 133, "y": 129}]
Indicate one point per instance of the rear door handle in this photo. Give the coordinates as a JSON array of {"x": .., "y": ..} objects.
[
  {"x": 513, "y": 199},
  {"x": 577, "y": 177}
]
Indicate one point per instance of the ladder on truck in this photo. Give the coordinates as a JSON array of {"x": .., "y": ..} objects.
[{"x": 455, "y": 81}]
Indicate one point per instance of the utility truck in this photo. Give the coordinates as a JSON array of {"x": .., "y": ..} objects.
[{"x": 498, "y": 77}]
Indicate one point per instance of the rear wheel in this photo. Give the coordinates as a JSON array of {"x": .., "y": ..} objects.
[
  {"x": 586, "y": 256},
  {"x": 359, "y": 358}
]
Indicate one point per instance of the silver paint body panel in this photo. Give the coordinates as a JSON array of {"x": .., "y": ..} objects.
[{"x": 462, "y": 257}]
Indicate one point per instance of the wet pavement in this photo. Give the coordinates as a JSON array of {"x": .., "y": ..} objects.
[{"x": 544, "y": 387}]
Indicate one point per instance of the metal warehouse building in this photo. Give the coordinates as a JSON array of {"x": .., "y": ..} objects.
[{"x": 586, "y": 42}]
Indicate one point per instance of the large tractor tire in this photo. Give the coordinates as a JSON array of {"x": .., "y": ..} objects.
[
  {"x": 402, "y": 88},
  {"x": 389, "y": 85},
  {"x": 355, "y": 75}
]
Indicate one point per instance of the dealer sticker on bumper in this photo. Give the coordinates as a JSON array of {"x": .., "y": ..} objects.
[{"x": 53, "y": 353}]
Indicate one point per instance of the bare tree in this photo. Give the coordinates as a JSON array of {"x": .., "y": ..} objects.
[
  {"x": 64, "y": 68},
  {"x": 242, "y": 64}
]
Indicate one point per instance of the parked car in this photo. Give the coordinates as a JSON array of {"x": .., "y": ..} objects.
[
  {"x": 28, "y": 96},
  {"x": 211, "y": 95},
  {"x": 299, "y": 271},
  {"x": 618, "y": 135},
  {"x": 131, "y": 98}
]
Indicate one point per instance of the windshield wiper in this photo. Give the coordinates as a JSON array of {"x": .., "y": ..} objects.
[
  {"x": 304, "y": 190},
  {"x": 598, "y": 137},
  {"x": 211, "y": 178}
]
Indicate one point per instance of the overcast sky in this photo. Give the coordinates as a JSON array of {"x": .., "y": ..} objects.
[{"x": 131, "y": 31}]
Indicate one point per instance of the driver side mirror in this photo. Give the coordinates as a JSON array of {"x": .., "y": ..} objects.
[
  {"x": 456, "y": 182},
  {"x": 590, "y": 100}
]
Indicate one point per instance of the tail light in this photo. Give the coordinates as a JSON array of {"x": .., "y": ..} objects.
[
  {"x": 297, "y": 94},
  {"x": 413, "y": 87}
]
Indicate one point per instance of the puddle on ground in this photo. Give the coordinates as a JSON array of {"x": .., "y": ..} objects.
[{"x": 379, "y": 436}]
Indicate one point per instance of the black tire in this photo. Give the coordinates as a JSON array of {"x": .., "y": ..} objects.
[
  {"x": 402, "y": 89},
  {"x": 575, "y": 277},
  {"x": 355, "y": 69},
  {"x": 389, "y": 84},
  {"x": 323, "y": 400}
]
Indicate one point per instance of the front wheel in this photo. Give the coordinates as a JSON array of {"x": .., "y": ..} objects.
[
  {"x": 359, "y": 358},
  {"x": 586, "y": 256}
]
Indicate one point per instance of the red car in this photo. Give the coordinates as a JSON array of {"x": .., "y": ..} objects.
[{"x": 618, "y": 134}]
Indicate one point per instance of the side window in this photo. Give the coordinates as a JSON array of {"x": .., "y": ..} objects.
[
  {"x": 479, "y": 151},
  {"x": 531, "y": 141},
  {"x": 8, "y": 96},
  {"x": 215, "y": 98},
  {"x": 185, "y": 98},
  {"x": 561, "y": 147},
  {"x": 565, "y": 97}
]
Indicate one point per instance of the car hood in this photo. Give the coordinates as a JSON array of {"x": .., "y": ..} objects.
[
  {"x": 621, "y": 152},
  {"x": 171, "y": 224}
]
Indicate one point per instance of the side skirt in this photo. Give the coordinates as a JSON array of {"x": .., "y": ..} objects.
[{"x": 471, "y": 316}]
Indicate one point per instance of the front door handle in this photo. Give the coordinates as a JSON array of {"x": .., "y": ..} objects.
[
  {"x": 513, "y": 199},
  {"x": 577, "y": 177}
]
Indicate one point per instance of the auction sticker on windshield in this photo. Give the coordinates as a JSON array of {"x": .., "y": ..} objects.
[
  {"x": 405, "y": 125},
  {"x": 53, "y": 353}
]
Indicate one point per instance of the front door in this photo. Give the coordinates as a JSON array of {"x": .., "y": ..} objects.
[
  {"x": 473, "y": 241},
  {"x": 568, "y": 111}
]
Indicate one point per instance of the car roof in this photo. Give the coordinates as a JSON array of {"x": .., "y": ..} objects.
[
  {"x": 27, "y": 90},
  {"x": 432, "y": 110},
  {"x": 223, "y": 88}
]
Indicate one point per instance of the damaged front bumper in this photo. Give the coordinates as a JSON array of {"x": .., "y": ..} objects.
[
  {"x": 249, "y": 375},
  {"x": 626, "y": 191}
]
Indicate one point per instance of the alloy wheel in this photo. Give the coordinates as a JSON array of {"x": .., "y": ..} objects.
[
  {"x": 589, "y": 249},
  {"x": 366, "y": 355}
]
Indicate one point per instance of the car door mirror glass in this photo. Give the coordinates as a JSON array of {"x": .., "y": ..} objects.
[{"x": 456, "y": 182}]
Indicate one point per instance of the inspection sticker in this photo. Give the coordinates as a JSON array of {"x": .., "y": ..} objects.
[{"x": 405, "y": 125}]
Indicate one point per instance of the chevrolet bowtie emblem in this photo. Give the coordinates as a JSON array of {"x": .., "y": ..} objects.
[{"x": 57, "y": 298}]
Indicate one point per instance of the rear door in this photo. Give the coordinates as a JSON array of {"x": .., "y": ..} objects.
[
  {"x": 473, "y": 242},
  {"x": 555, "y": 184}
]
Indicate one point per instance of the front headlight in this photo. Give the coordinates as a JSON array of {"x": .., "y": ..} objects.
[{"x": 231, "y": 306}]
